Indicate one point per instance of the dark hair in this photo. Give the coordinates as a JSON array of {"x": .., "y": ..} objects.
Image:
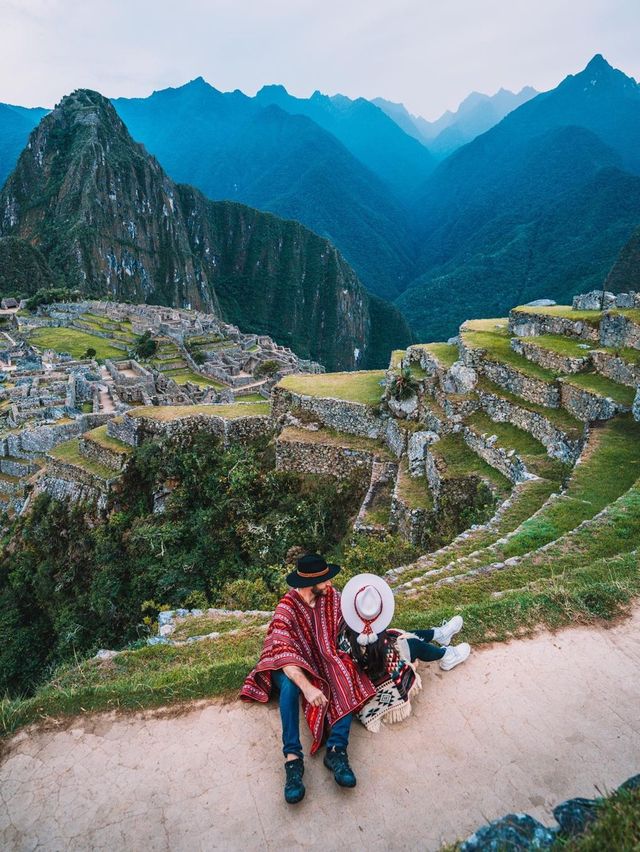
[{"x": 369, "y": 658}]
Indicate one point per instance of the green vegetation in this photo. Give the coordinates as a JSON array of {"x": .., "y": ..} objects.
[
  {"x": 396, "y": 358},
  {"x": 229, "y": 411},
  {"x": 145, "y": 346},
  {"x": 492, "y": 336},
  {"x": 559, "y": 417},
  {"x": 414, "y": 490},
  {"x": 460, "y": 460},
  {"x": 70, "y": 585},
  {"x": 267, "y": 368},
  {"x": 571, "y": 346},
  {"x": 591, "y": 317},
  {"x": 364, "y": 386},
  {"x": 602, "y": 386},
  {"x": 250, "y": 397},
  {"x": 182, "y": 376},
  {"x": 617, "y": 826},
  {"x": 336, "y": 439},
  {"x": 101, "y": 437},
  {"x": 445, "y": 353},
  {"x": 69, "y": 452},
  {"x": 73, "y": 341},
  {"x": 403, "y": 384}
]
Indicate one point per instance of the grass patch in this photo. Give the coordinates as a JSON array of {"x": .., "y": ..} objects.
[
  {"x": 561, "y": 345},
  {"x": 364, "y": 386},
  {"x": 251, "y": 397},
  {"x": 414, "y": 490},
  {"x": 617, "y": 826},
  {"x": 182, "y": 376},
  {"x": 460, "y": 460},
  {"x": 602, "y": 386},
  {"x": 69, "y": 452},
  {"x": 73, "y": 341},
  {"x": 446, "y": 353},
  {"x": 230, "y": 411},
  {"x": 496, "y": 344},
  {"x": 202, "y": 625},
  {"x": 150, "y": 677},
  {"x": 590, "y": 317},
  {"x": 336, "y": 439},
  {"x": 101, "y": 437}
]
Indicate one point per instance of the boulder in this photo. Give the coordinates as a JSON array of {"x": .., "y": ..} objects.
[
  {"x": 416, "y": 448},
  {"x": 636, "y": 405},
  {"x": 459, "y": 379},
  {"x": 626, "y": 300},
  {"x": 511, "y": 833},
  {"x": 541, "y": 303},
  {"x": 575, "y": 815},
  {"x": 593, "y": 301},
  {"x": 403, "y": 407}
]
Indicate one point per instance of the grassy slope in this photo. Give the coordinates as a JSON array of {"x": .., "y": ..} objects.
[
  {"x": 74, "y": 341},
  {"x": 364, "y": 386}
]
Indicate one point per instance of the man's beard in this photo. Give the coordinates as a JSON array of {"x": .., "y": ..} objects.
[{"x": 318, "y": 593}]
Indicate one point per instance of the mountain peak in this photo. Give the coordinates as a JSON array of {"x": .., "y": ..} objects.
[
  {"x": 598, "y": 63},
  {"x": 272, "y": 90}
]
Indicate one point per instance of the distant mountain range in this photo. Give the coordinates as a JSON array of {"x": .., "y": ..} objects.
[
  {"x": 510, "y": 198},
  {"x": 476, "y": 114},
  {"x": 109, "y": 221}
]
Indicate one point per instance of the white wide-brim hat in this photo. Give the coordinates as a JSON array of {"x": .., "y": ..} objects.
[{"x": 367, "y": 604}]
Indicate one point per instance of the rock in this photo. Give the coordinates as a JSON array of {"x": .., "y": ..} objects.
[
  {"x": 575, "y": 815},
  {"x": 541, "y": 303},
  {"x": 104, "y": 654},
  {"x": 403, "y": 407},
  {"x": 632, "y": 783},
  {"x": 512, "y": 833},
  {"x": 584, "y": 346},
  {"x": 636, "y": 405},
  {"x": 157, "y": 640},
  {"x": 459, "y": 379},
  {"x": 626, "y": 300},
  {"x": 593, "y": 301},
  {"x": 165, "y": 617},
  {"x": 454, "y": 341},
  {"x": 418, "y": 442}
]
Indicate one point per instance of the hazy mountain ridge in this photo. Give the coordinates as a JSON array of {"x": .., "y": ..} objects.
[
  {"x": 257, "y": 153},
  {"x": 110, "y": 221}
]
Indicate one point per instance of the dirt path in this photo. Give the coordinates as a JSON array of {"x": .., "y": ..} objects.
[{"x": 519, "y": 727}]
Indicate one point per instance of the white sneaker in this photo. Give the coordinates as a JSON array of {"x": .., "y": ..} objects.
[
  {"x": 443, "y": 634},
  {"x": 455, "y": 654}
]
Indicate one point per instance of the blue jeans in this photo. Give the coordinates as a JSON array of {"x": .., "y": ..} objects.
[
  {"x": 290, "y": 715},
  {"x": 421, "y": 649}
]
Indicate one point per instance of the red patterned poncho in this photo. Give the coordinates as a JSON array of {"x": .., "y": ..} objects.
[{"x": 305, "y": 636}]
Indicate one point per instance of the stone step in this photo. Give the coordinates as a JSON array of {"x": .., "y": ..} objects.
[
  {"x": 553, "y": 352},
  {"x": 525, "y": 321}
]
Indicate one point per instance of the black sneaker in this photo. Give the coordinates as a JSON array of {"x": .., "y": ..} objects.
[
  {"x": 337, "y": 761},
  {"x": 293, "y": 786}
]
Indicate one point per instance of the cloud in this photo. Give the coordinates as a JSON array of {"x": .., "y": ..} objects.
[{"x": 428, "y": 54}]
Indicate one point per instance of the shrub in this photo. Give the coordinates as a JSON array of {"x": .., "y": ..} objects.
[
  {"x": 403, "y": 385},
  {"x": 145, "y": 346},
  {"x": 267, "y": 368},
  {"x": 90, "y": 353}
]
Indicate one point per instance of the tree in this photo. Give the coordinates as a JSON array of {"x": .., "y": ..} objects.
[
  {"x": 90, "y": 353},
  {"x": 145, "y": 346}
]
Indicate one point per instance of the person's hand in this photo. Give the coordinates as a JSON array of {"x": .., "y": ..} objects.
[{"x": 315, "y": 697}]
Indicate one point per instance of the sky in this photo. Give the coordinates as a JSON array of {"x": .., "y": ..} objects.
[{"x": 427, "y": 54}]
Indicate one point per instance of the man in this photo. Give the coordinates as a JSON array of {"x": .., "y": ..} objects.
[{"x": 300, "y": 656}]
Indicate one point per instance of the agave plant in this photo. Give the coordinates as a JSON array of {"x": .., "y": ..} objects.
[{"x": 403, "y": 385}]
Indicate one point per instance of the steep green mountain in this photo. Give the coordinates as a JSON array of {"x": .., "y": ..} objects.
[
  {"x": 366, "y": 131},
  {"x": 110, "y": 221},
  {"x": 491, "y": 214},
  {"x": 239, "y": 148},
  {"x": 624, "y": 275},
  {"x": 23, "y": 269},
  {"x": 16, "y": 123}
]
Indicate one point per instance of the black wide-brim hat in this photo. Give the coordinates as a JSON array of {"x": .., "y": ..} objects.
[{"x": 311, "y": 569}]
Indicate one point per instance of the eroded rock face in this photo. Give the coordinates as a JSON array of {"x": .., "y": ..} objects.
[
  {"x": 636, "y": 405},
  {"x": 404, "y": 407}
]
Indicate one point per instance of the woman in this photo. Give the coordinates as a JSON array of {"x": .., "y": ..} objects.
[{"x": 388, "y": 655}]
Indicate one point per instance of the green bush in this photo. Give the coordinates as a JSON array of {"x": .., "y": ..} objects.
[
  {"x": 145, "y": 346},
  {"x": 71, "y": 582}
]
